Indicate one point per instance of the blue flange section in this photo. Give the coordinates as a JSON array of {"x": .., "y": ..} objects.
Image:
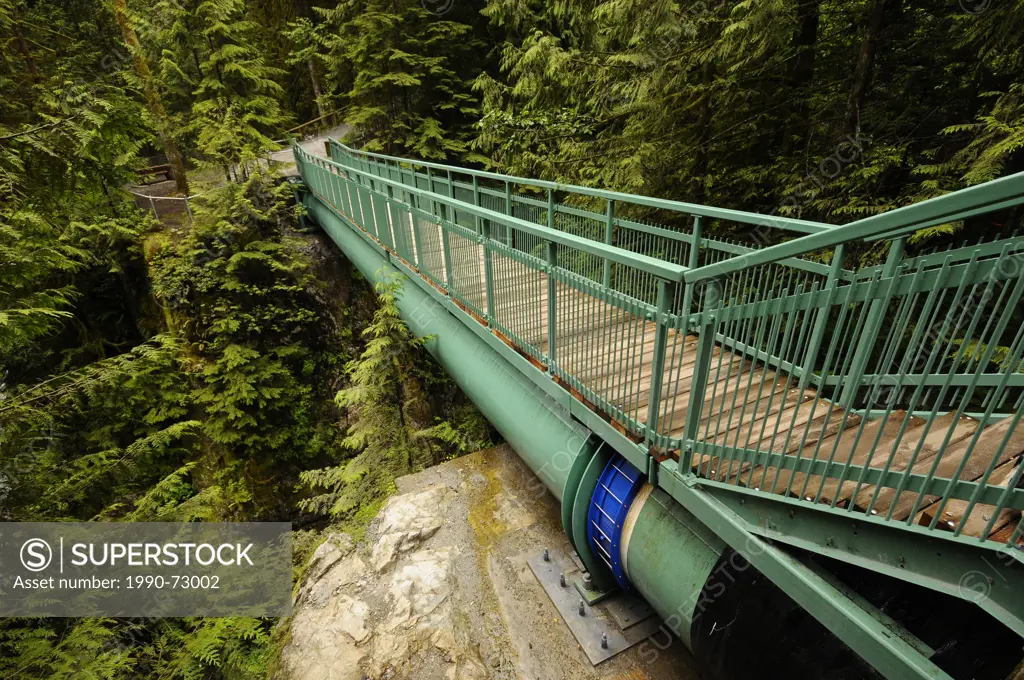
[{"x": 608, "y": 507}]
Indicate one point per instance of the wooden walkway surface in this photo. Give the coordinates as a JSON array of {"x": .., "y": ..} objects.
[
  {"x": 750, "y": 405},
  {"x": 747, "y": 404}
]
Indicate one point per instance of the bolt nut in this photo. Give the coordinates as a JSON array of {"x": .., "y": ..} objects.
[
  {"x": 604, "y": 640},
  {"x": 547, "y": 557},
  {"x": 580, "y": 609},
  {"x": 561, "y": 579},
  {"x": 588, "y": 582}
]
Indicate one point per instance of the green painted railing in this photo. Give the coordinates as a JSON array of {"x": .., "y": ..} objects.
[{"x": 771, "y": 370}]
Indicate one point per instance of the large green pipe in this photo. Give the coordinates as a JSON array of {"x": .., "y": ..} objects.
[{"x": 669, "y": 556}]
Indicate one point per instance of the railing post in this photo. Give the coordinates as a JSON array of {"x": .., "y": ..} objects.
[
  {"x": 692, "y": 262},
  {"x": 446, "y": 250},
  {"x": 476, "y": 202},
  {"x": 698, "y": 384},
  {"x": 552, "y": 253},
  {"x": 872, "y": 326},
  {"x": 359, "y": 200},
  {"x": 807, "y": 370},
  {"x": 508, "y": 211},
  {"x": 609, "y": 233},
  {"x": 387, "y": 217},
  {"x": 485, "y": 236},
  {"x": 446, "y": 210},
  {"x": 414, "y": 208},
  {"x": 430, "y": 187},
  {"x": 666, "y": 291}
]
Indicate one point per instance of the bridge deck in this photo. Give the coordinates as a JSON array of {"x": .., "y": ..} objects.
[
  {"x": 745, "y": 395},
  {"x": 608, "y": 351}
]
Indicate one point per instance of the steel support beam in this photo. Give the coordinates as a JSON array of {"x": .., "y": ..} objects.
[
  {"x": 964, "y": 569},
  {"x": 890, "y": 654}
]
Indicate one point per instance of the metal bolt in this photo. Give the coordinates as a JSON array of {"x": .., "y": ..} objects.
[
  {"x": 561, "y": 579},
  {"x": 604, "y": 640},
  {"x": 581, "y": 610},
  {"x": 588, "y": 582},
  {"x": 547, "y": 557}
]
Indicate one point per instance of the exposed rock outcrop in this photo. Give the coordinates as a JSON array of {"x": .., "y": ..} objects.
[{"x": 440, "y": 589}]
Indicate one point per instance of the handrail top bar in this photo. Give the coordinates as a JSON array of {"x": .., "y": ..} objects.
[
  {"x": 986, "y": 197},
  {"x": 659, "y": 268},
  {"x": 758, "y": 219}
]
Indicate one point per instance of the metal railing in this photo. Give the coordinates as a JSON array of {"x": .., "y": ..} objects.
[
  {"x": 894, "y": 392},
  {"x": 166, "y": 208}
]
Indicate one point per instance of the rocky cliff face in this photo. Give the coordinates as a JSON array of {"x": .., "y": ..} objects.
[
  {"x": 440, "y": 588},
  {"x": 383, "y": 610},
  {"x": 386, "y": 608}
]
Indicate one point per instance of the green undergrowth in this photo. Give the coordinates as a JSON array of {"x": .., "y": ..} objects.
[{"x": 214, "y": 376}]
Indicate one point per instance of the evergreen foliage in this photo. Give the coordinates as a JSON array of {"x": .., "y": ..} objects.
[
  {"x": 154, "y": 374},
  {"x": 390, "y": 397},
  {"x": 823, "y": 110},
  {"x": 236, "y": 107},
  {"x": 404, "y": 75}
]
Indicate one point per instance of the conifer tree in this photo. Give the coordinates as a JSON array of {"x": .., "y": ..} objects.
[
  {"x": 384, "y": 392},
  {"x": 237, "y": 109},
  {"x": 308, "y": 41},
  {"x": 153, "y": 97},
  {"x": 405, "y": 75}
]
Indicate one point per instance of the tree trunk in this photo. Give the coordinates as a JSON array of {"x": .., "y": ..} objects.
[
  {"x": 809, "y": 16},
  {"x": 26, "y": 54},
  {"x": 316, "y": 88},
  {"x": 801, "y": 74},
  {"x": 864, "y": 69},
  {"x": 705, "y": 122},
  {"x": 302, "y": 9},
  {"x": 153, "y": 98}
]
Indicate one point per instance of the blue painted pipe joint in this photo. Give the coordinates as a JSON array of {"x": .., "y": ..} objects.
[{"x": 616, "y": 488}]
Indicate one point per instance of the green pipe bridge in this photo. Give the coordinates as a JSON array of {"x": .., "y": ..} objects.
[{"x": 782, "y": 397}]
